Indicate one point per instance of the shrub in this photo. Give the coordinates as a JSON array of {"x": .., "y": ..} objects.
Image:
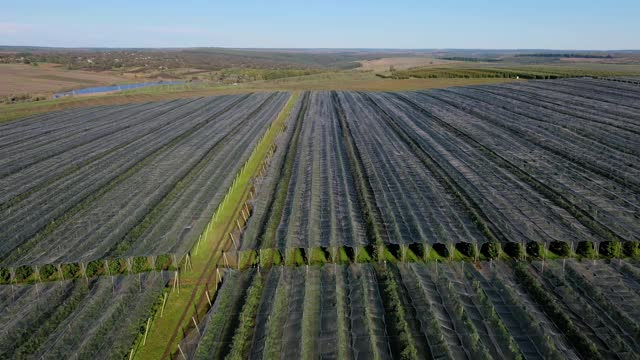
[
  {"x": 534, "y": 249},
  {"x": 441, "y": 249},
  {"x": 467, "y": 249},
  {"x": 490, "y": 250},
  {"x": 585, "y": 249},
  {"x": 631, "y": 249},
  {"x": 610, "y": 248},
  {"x": 515, "y": 250},
  {"x": 23, "y": 273},
  {"x": 140, "y": 264},
  {"x": 117, "y": 266},
  {"x": 71, "y": 271},
  {"x": 5, "y": 276},
  {"x": 47, "y": 271},
  {"x": 163, "y": 262},
  {"x": 560, "y": 248},
  {"x": 94, "y": 268}
]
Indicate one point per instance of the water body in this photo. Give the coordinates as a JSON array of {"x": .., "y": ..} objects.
[{"x": 101, "y": 89}]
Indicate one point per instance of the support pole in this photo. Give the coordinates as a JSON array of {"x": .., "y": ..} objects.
[
  {"x": 146, "y": 331},
  {"x": 234, "y": 241},
  {"x": 83, "y": 270},
  {"x": 198, "y": 243},
  {"x": 196, "y": 324},
  {"x": 60, "y": 271},
  {"x": 181, "y": 353},
  {"x": 544, "y": 255},
  {"x": 164, "y": 301},
  {"x": 208, "y": 297}
]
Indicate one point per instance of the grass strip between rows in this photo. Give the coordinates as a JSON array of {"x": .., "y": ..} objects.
[{"x": 165, "y": 333}]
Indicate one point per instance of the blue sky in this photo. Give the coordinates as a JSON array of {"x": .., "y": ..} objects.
[{"x": 539, "y": 24}]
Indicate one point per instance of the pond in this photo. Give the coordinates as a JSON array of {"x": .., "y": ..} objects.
[{"x": 100, "y": 89}]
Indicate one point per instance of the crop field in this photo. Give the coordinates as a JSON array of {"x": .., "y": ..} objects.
[
  {"x": 96, "y": 319},
  {"x": 494, "y": 221},
  {"x": 412, "y": 310},
  {"x": 125, "y": 181},
  {"x": 524, "y": 165},
  {"x": 509, "y": 71}
]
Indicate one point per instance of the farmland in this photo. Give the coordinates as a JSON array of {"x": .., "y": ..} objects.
[
  {"x": 138, "y": 184},
  {"x": 501, "y": 164},
  {"x": 413, "y": 310},
  {"x": 485, "y": 221}
]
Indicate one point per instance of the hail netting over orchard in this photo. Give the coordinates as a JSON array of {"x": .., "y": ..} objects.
[
  {"x": 97, "y": 319},
  {"x": 541, "y": 161},
  {"x": 309, "y": 197},
  {"x": 451, "y": 310},
  {"x": 121, "y": 181}
]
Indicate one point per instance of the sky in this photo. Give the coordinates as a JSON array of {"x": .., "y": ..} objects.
[{"x": 401, "y": 24}]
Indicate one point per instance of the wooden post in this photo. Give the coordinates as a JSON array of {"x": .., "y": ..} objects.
[
  {"x": 208, "y": 297},
  {"x": 196, "y": 324},
  {"x": 181, "y": 353},
  {"x": 164, "y": 301},
  {"x": 198, "y": 244},
  {"x": 83, "y": 270},
  {"x": 146, "y": 331},
  {"x": 544, "y": 255},
  {"x": 233, "y": 240}
]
